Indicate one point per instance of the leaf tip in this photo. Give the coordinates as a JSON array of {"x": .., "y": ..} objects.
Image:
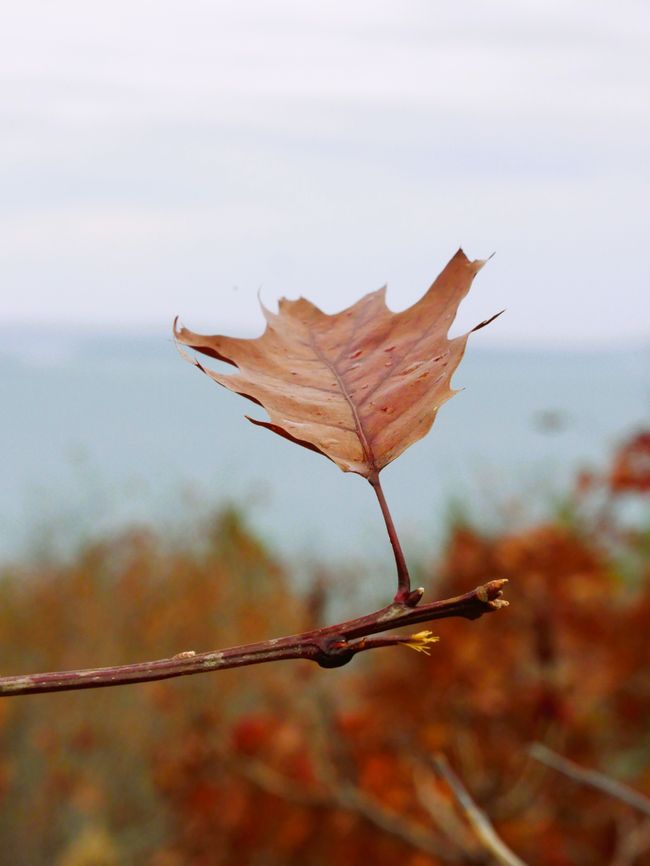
[
  {"x": 480, "y": 263},
  {"x": 487, "y": 321},
  {"x": 268, "y": 314}
]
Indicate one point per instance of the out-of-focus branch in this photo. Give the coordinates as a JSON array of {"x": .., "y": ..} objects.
[
  {"x": 391, "y": 822},
  {"x": 336, "y": 790},
  {"x": 344, "y": 795},
  {"x": 330, "y": 646},
  {"x": 476, "y": 818},
  {"x": 272, "y": 782},
  {"x": 633, "y": 840},
  {"x": 592, "y": 778},
  {"x": 443, "y": 814}
]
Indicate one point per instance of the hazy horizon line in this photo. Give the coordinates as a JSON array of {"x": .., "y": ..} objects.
[{"x": 151, "y": 329}]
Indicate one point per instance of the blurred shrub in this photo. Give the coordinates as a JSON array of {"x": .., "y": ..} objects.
[{"x": 289, "y": 765}]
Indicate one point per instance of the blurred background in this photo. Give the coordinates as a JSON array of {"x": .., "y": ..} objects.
[{"x": 164, "y": 158}]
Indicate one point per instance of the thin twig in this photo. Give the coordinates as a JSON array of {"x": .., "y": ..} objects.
[
  {"x": 443, "y": 813},
  {"x": 330, "y": 646},
  {"x": 633, "y": 840},
  {"x": 346, "y": 796},
  {"x": 477, "y": 819},
  {"x": 592, "y": 778},
  {"x": 394, "y": 823},
  {"x": 272, "y": 782}
]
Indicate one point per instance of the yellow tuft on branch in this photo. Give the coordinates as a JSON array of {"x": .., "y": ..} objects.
[{"x": 422, "y": 641}]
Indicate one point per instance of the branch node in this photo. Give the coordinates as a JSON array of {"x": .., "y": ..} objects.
[
  {"x": 333, "y": 652},
  {"x": 411, "y": 599}
]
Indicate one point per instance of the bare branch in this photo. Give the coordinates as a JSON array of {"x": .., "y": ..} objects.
[
  {"x": 592, "y": 778},
  {"x": 633, "y": 839},
  {"x": 400, "y": 826},
  {"x": 344, "y": 795},
  {"x": 443, "y": 813},
  {"x": 477, "y": 819},
  {"x": 330, "y": 646}
]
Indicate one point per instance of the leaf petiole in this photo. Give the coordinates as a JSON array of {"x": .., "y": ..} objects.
[{"x": 404, "y": 595}]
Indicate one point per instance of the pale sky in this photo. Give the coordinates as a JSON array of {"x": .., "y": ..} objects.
[{"x": 173, "y": 157}]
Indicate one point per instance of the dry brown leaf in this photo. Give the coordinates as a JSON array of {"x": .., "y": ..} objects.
[{"x": 358, "y": 386}]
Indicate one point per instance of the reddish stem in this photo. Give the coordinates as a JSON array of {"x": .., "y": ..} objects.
[
  {"x": 404, "y": 594},
  {"x": 331, "y": 646}
]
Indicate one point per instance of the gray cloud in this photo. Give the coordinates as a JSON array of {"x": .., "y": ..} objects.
[{"x": 154, "y": 155}]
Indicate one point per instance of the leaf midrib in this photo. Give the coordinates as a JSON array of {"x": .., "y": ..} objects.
[{"x": 368, "y": 453}]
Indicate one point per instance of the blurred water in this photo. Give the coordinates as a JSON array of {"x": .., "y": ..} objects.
[{"x": 101, "y": 431}]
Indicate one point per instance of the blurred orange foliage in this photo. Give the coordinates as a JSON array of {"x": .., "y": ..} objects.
[{"x": 290, "y": 765}]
